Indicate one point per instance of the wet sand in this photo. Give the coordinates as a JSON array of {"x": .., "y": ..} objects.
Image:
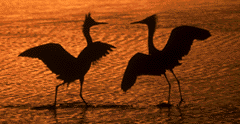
[{"x": 209, "y": 74}]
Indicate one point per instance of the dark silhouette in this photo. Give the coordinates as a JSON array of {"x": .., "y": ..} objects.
[
  {"x": 67, "y": 67},
  {"x": 157, "y": 62}
]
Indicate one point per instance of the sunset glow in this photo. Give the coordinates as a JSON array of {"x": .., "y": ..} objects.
[{"x": 209, "y": 73}]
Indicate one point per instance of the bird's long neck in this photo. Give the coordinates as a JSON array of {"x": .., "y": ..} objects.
[
  {"x": 86, "y": 33},
  {"x": 151, "y": 48}
]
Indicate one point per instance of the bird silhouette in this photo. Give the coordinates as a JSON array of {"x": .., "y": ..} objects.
[
  {"x": 67, "y": 67},
  {"x": 157, "y": 62}
]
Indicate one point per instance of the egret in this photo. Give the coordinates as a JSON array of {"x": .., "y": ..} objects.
[
  {"x": 67, "y": 67},
  {"x": 157, "y": 62}
]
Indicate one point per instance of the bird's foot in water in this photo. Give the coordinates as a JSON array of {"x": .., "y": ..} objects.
[
  {"x": 180, "y": 102},
  {"x": 165, "y": 104},
  {"x": 54, "y": 106},
  {"x": 86, "y": 104},
  {"x": 42, "y": 107}
]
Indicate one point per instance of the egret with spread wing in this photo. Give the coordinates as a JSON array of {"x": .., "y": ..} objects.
[
  {"x": 67, "y": 67},
  {"x": 157, "y": 62}
]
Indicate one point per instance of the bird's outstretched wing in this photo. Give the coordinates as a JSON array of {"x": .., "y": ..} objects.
[
  {"x": 57, "y": 59},
  {"x": 141, "y": 64},
  {"x": 181, "y": 39},
  {"x": 95, "y": 51},
  {"x": 132, "y": 71}
]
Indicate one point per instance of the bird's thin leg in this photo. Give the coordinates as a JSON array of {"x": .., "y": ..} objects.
[
  {"x": 81, "y": 83},
  {"x": 56, "y": 92},
  {"x": 169, "y": 88},
  {"x": 178, "y": 86}
]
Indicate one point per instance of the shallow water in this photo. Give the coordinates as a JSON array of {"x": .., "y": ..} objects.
[{"x": 209, "y": 74}]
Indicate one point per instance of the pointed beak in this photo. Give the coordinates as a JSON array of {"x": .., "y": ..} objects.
[{"x": 141, "y": 22}]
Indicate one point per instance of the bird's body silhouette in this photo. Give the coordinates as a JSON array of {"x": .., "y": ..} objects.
[
  {"x": 157, "y": 62},
  {"x": 67, "y": 67}
]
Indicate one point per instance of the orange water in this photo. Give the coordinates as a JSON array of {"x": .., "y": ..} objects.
[{"x": 209, "y": 74}]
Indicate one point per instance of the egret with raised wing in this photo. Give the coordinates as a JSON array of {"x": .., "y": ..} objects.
[
  {"x": 157, "y": 62},
  {"x": 67, "y": 67}
]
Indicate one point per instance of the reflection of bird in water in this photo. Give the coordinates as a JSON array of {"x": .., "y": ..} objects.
[
  {"x": 157, "y": 62},
  {"x": 67, "y": 67}
]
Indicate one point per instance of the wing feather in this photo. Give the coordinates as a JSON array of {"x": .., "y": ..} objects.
[
  {"x": 132, "y": 71},
  {"x": 57, "y": 59},
  {"x": 141, "y": 64},
  {"x": 181, "y": 39},
  {"x": 95, "y": 51}
]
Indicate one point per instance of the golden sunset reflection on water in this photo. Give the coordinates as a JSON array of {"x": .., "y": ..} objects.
[{"x": 209, "y": 74}]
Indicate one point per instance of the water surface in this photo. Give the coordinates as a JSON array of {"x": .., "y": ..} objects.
[{"x": 209, "y": 74}]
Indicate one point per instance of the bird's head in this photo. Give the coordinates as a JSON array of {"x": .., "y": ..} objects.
[
  {"x": 151, "y": 20},
  {"x": 89, "y": 22}
]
